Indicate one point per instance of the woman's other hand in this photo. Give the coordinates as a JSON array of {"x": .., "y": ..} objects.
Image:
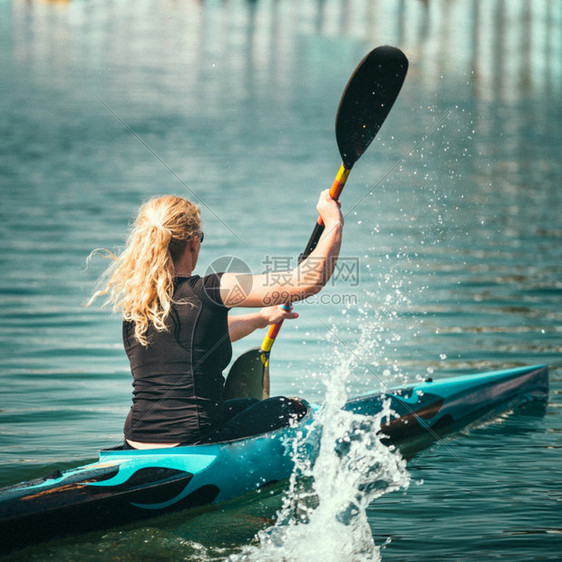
[{"x": 275, "y": 314}]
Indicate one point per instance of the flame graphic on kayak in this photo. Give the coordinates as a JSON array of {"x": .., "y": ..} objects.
[{"x": 154, "y": 488}]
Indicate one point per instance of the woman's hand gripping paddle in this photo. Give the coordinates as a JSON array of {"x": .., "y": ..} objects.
[{"x": 365, "y": 104}]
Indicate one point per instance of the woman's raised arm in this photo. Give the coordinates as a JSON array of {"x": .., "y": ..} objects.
[{"x": 305, "y": 280}]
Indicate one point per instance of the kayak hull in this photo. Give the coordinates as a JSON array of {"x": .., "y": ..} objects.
[{"x": 131, "y": 485}]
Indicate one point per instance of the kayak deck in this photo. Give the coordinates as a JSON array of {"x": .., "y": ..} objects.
[
  {"x": 431, "y": 405},
  {"x": 130, "y": 485}
]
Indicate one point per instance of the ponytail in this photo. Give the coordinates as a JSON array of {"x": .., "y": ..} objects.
[{"x": 140, "y": 282}]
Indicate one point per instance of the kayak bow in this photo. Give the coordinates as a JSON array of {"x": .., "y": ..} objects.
[{"x": 131, "y": 485}]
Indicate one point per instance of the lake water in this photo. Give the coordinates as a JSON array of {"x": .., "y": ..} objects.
[{"x": 453, "y": 242}]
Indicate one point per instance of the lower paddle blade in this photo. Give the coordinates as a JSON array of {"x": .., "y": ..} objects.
[
  {"x": 367, "y": 100},
  {"x": 247, "y": 376}
]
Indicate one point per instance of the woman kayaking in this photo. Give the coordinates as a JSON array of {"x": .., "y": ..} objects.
[{"x": 177, "y": 331}]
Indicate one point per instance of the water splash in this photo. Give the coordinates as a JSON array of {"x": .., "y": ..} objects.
[{"x": 324, "y": 514}]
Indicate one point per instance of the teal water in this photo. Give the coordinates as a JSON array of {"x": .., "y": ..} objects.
[{"x": 453, "y": 237}]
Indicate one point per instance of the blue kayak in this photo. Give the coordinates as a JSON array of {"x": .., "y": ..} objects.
[{"x": 130, "y": 485}]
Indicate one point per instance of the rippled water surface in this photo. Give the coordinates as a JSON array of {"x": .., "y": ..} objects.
[{"x": 453, "y": 239}]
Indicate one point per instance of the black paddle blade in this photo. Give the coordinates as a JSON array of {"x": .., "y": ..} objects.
[
  {"x": 247, "y": 375},
  {"x": 367, "y": 100}
]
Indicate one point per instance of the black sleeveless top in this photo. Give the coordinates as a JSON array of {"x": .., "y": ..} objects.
[{"x": 177, "y": 379}]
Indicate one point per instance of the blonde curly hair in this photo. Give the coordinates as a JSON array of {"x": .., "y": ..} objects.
[{"x": 140, "y": 281}]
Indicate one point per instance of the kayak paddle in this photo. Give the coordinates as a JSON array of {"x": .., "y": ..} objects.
[{"x": 364, "y": 105}]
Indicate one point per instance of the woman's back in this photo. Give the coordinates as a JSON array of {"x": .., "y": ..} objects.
[{"x": 177, "y": 378}]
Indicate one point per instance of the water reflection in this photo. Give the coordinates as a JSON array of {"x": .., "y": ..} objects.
[{"x": 505, "y": 49}]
